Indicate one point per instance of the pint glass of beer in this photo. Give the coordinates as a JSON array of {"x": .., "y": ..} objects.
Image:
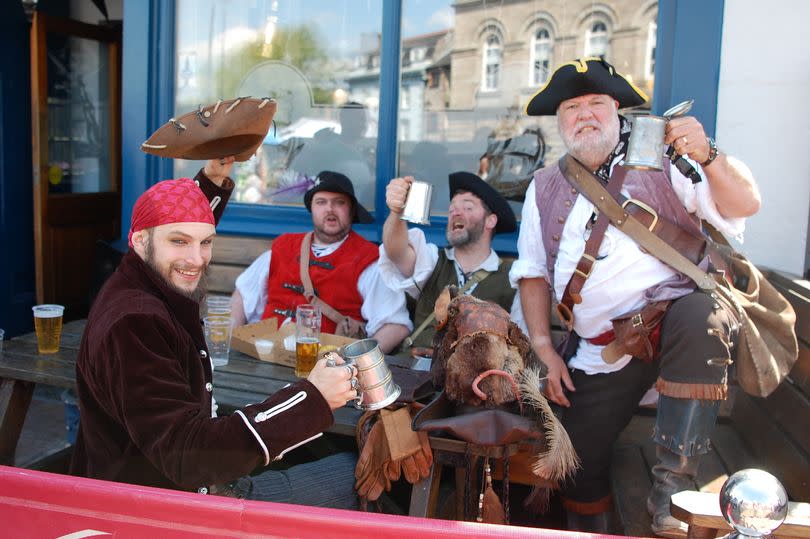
[
  {"x": 307, "y": 338},
  {"x": 48, "y": 325}
]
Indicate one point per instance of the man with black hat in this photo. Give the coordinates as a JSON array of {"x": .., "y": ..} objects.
[
  {"x": 408, "y": 263},
  {"x": 342, "y": 267},
  {"x": 599, "y": 385}
]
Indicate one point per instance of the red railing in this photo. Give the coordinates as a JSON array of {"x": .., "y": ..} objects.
[{"x": 39, "y": 505}]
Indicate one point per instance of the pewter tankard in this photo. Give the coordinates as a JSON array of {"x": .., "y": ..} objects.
[
  {"x": 417, "y": 205},
  {"x": 376, "y": 382},
  {"x": 645, "y": 149}
]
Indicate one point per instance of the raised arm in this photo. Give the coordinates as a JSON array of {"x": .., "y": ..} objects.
[
  {"x": 395, "y": 230},
  {"x": 732, "y": 184}
]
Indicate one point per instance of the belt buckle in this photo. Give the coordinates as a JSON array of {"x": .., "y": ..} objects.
[
  {"x": 637, "y": 320},
  {"x": 590, "y": 269},
  {"x": 645, "y": 207}
]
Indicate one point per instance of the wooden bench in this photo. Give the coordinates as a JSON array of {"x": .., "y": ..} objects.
[{"x": 232, "y": 254}]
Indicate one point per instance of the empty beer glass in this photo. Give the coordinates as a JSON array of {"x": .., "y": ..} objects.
[
  {"x": 48, "y": 325},
  {"x": 307, "y": 338},
  {"x": 218, "y": 306},
  {"x": 218, "y": 339}
]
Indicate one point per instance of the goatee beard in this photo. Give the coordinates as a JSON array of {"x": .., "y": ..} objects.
[{"x": 472, "y": 235}]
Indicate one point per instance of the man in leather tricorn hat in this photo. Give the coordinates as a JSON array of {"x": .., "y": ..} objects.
[
  {"x": 341, "y": 265},
  {"x": 597, "y": 383},
  {"x": 409, "y": 263}
]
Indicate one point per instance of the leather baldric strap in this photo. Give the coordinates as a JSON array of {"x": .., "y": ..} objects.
[
  {"x": 309, "y": 291},
  {"x": 476, "y": 277},
  {"x": 571, "y": 295},
  {"x": 622, "y": 217}
]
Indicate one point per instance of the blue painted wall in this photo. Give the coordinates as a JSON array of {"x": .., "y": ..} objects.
[{"x": 17, "y": 289}]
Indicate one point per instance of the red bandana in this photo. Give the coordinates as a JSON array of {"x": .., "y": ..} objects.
[{"x": 170, "y": 201}]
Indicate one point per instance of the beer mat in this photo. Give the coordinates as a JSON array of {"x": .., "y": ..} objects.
[
  {"x": 402, "y": 440},
  {"x": 415, "y": 385}
]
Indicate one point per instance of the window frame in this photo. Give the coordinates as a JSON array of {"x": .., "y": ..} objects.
[
  {"x": 534, "y": 81},
  {"x": 491, "y": 33},
  {"x": 690, "y": 46},
  {"x": 590, "y": 34}
]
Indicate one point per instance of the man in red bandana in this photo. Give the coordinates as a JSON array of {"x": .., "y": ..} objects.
[{"x": 144, "y": 376}]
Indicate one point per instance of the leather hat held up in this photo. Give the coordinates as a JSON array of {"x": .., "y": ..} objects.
[
  {"x": 467, "y": 181},
  {"x": 234, "y": 127},
  {"x": 581, "y": 77}
]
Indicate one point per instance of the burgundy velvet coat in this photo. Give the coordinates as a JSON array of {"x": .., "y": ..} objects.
[{"x": 144, "y": 383}]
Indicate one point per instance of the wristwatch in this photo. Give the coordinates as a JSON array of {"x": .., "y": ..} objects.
[{"x": 712, "y": 152}]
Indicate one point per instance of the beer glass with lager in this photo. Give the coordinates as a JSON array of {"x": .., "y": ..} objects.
[
  {"x": 307, "y": 338},
  {"x": 48, "y": 326}
]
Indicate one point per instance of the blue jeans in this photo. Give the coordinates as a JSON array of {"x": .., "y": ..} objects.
[{"x": 327, "y": 482}]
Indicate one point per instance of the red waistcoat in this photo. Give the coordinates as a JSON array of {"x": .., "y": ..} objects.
[{"x": 334, "y": 277}]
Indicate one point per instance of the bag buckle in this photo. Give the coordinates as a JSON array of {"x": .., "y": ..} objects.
[
  {"x": 645, "y": 207},
  {"x": 637, "y": 320},
  {"x": 590, "y": 268}
]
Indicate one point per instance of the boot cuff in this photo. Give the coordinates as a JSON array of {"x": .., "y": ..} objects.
[{"x": 680, "y": 390}]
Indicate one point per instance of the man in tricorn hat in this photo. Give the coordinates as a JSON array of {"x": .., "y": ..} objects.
[
  {"x": 144, "y": 376},
  {"x": 409, "y": 263},
  {"x": 342, "y": 267},
  {"x": 613, "y": 276}
]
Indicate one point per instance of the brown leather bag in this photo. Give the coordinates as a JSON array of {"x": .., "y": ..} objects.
[{"x": 637, "y": 333}]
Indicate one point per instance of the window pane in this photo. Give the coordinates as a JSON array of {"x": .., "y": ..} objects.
[
  {"x": 318, "y": 58},
  {"x": 454, "y": 123}
]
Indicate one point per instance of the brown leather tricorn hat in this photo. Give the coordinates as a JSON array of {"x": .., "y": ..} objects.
[{"x": 234, "y": 127}]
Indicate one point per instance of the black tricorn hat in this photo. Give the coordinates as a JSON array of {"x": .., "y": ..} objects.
[
  {"x": 582, "y": 77},
  {"x": 234, "y": 127},
  {"x": 335, "y": 182},
  {"x": 467, "y": 181}
]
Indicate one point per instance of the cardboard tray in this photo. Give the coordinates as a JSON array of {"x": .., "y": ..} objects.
[{"x": 244, "y": 340}]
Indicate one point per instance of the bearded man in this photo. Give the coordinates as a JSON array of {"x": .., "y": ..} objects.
[
  {"x": 612, "y": 276},
  {"x": 144, "y": 376},
  {"x": 342, "y": 267},
  {"x": 409, "y": 263}
]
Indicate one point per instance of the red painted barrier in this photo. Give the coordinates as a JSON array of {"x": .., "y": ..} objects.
[{"x": 44, "y": 505}]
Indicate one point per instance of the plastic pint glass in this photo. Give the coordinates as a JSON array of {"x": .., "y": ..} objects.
[
  {"x": 48, "y": 326},
  {"x": 307, "y": 338}
]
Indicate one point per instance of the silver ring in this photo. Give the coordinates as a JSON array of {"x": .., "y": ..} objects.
[
  {"x": 354, "y": 383},
  {"x": 330, "y": 362},
  {"x": 351, "y": 371}
]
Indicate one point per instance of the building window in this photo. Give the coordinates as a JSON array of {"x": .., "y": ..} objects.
[
  {"x": 492, "y": 63},
  {"x": 541, "y": 57},
  {"x": 596, "y": 39},
  {"x": 649, "y": 57}
]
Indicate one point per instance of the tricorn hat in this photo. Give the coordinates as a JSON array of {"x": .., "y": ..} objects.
[
  {"x": 335, "y": 182},
  {"x": 235, "y": 127},
  {"x": 467, "y": 181},
  {"x": 582, "y": 77}
]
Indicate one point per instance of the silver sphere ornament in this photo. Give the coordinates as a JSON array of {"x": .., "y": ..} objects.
[{"x": 753, "y": 502}]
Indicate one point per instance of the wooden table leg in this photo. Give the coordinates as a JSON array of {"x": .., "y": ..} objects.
[
  {"x": 15, "y": 398},
  {"x": 424, "y": 494}
]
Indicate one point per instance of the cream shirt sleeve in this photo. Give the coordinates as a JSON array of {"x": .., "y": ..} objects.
[
  {"x": 381, "y": 304},
  {"x": 252, "y": 286},
  {"x": 697, "y": 198},
  {"x": 531, "y": 260},
  {"x": 427, "y": 255}
]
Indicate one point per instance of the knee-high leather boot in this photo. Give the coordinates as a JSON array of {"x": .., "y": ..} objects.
[{"x": 682, "y": 431}]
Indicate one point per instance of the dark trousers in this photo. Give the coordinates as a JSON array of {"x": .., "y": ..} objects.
[{"x": 603, "y": 404}]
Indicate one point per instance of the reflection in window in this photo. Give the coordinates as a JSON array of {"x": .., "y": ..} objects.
[
  {"x": 492, "y": 62},
  {"x": 649, "y": 63},
  {"x": 541, "y": 56},
  {"x": 596, "y": 40},
  {"x": 323, "y": 71}
]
